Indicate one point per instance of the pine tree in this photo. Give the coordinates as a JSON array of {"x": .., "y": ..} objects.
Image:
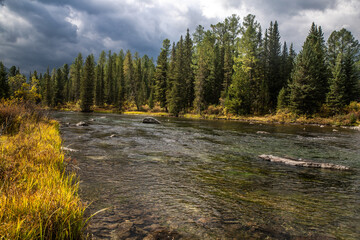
[
  {"x": 87, "y": 84},
  {"x": 177, "y": 99},
  {"x": 342, "y": 42},
  {"x": 59, "y": 88},
  {"x": 75, "y": 76},
  {"x": 161, "y": 74},
  {"x": 129, "y": 76},
  {"x": 309, "y": 79},
  {"x": 148, "y": 75},
  {"x": 48, "y": 88},
  {"x": 274, "y": 79},
  {"x": 13, "y": 71},
  {"x": 121, "y": 80},
  {"x": 188, "y": 72},
  {"x": 138, "y": 82},
  {"x": 287, "y": 63},
  {"x": 205, "y": 79},
  {"x": 243, "y": 95},
  {"x": 109, "y": 80},
  {"x": 170, "y": 75},
  {"x": 50, "y": 82},
  {"x": 100, "y": 76},
  {"x": 65, "y": 74},
  {"x": 228, "y": 70},
  {"x": 336, "y": 98},
  {"x": 4, "y": 85}
]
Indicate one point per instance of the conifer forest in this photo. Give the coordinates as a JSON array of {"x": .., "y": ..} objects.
[{"x": 233, "y": 64}]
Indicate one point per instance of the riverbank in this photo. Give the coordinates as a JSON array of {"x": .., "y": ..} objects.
[
  {"x": 350, "y": 117},
  {"x": 38, "y": 199}
]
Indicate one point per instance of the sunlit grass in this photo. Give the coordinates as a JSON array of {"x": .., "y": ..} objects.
[
  {"x": 349, "y": 117},
  {"x": 38, "y": 200},
  {"x": 162, "y": 114}
]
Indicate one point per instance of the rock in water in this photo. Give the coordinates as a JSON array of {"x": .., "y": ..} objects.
[
  {"x": 80, "y": 124},
  {"x": 151, "y": 120},
  {"x": 302, "y": 163},
  {"x": 262, "y": 132}
]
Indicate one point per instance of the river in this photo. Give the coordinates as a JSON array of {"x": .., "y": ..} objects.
[{"x": 199, "y": 179}]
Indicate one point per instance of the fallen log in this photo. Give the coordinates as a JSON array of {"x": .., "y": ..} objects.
[{"x": 302, "y": 163}]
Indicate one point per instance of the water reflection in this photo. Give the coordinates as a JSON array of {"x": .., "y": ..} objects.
[{"x": 203, "y": 180}]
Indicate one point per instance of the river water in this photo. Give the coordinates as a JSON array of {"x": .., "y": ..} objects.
[{"x": 198, "y": 179}]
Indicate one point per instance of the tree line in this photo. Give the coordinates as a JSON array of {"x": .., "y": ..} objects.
[{"x": 233, "y": 65}]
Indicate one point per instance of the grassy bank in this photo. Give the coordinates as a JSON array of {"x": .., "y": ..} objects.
[
  {"x": 38, "y": 200},
  {"x": 350, "y": 116}
]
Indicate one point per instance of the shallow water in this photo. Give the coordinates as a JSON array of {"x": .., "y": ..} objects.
[{"x": 198, "y": 179}]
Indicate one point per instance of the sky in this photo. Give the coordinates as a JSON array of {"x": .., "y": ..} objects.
[{"x": 36, "y": 34}]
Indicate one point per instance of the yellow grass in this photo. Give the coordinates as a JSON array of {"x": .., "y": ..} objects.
[
  {"x": 350, "y": 116},
  {"x": 38, "y": 200}
]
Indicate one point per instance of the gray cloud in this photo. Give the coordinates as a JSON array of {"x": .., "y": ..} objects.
[{"x": 40, "y": 33}]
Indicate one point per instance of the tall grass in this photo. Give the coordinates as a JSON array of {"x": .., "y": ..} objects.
[{"x": 38, "y": 200}]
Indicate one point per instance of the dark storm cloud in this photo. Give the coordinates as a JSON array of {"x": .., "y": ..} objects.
[
  {"x": 31, "y": 36},
  {"x": 35, "y": 34},
  {"x": 46, "y": 36}
]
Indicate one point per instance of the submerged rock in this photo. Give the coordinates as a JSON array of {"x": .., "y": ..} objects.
[
  {"x": 82, "y": 124},
  {"x": 302, "y": 163},
  {"x": 151, "y": 120},
  {"x": 125, "y": 229},
  {"x": 262, "y": 132},
  {"x": 162, "y": 233}
]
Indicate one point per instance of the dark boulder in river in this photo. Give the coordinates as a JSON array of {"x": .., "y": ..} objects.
[
  {"x": 151, "y": 120},
  {"x": 302, "y": 163},
  {"x": 80, "y": 124}
]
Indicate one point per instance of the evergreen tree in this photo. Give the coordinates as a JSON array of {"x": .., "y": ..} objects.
[
  {"x": 48, "y": 88},
  {"x": 4, "y": 85},
  {"x": 59, "y": 88},
  {"x": 309, "y": 80},
  {"x": 161, "y": 74},
  {"x": 75, "y": 77},
  {"x": 243, "y": 95},
  {"x": 53, "y": 88},
  {"x": 100, "y": 75},
  {"x": 115, "y": 85},
  {"x": 13, "y": 71},
  {"x": 65, "y": 74},
  {"x": 205, "y": 79},
  {"x": 121, "y": 80},
  {"x": 274, "y": 79},
  {"x": 138, "y": 82},
  {"x": 287, "y": 64},
  {"x": 177, "y": 98},
  {"x": 336, "y": 98},
  {"x": 87, "y": 84},
  {"x": 187, "y": 70},
  {"x": 233, "y": 29},
  {"x": 170, "y": 75},
  {"x": 129, "y": 76},
  {"x": 148, "y": 70},
  {"x": 109, "y": 80},
  {"x": 342, "y": 42},
  {"x": 228, "y": 69}
]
